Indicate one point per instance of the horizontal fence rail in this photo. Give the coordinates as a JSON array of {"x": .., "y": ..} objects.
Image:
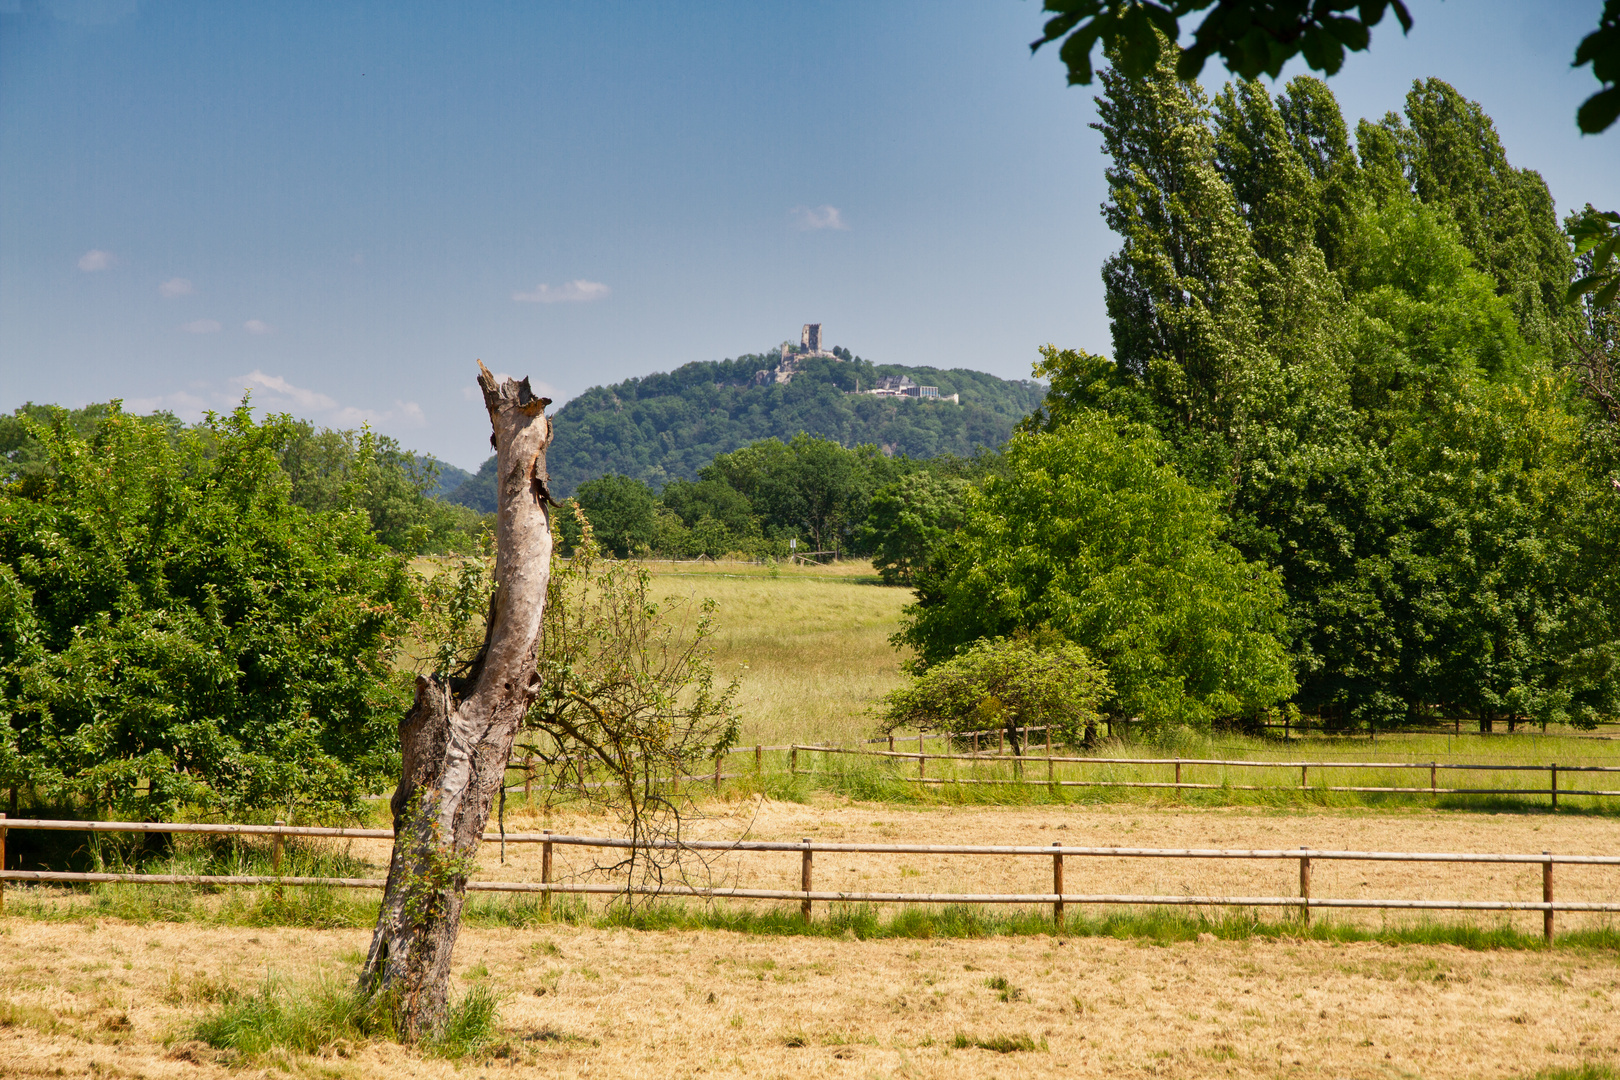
[
  {"x": 1051, "y": 761},
  {"x": 1304, "y": 903}
]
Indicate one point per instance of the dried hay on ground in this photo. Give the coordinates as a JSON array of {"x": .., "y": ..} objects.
[{"x": 99, "y": 999}]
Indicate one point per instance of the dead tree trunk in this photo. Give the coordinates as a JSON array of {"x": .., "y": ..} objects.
[{"x": 457, "y": 737}]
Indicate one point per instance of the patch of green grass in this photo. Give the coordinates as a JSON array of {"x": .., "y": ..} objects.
[
  {"x": 1001, "y": 1044},
  {"x": 1591, "y": 1070},
  {"x": 1006, "y": 991},
  {"x": 315, "y": 1019},
  {"x": 306, "y": 1021},
  {"x": 1158, "y": 925},
  {"x": 469, "y": 1027}
]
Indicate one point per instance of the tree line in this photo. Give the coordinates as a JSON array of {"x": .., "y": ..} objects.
[
  {"x": 772, "y": 498},
  {"x": 1354, "y": 455}
]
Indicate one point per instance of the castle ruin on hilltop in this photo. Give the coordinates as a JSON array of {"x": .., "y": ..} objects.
[{"x": 809, "y": 347}]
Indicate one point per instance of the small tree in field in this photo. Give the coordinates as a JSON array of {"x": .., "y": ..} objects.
[
  {"x": 629, "y": 703},
  {"x": 1007, "y": 683}
]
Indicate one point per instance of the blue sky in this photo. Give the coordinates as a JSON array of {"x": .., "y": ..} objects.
[{"x": 344, "y": 205}]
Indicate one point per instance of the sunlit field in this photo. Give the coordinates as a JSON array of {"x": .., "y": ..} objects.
[{"x": 810, "y": 644}]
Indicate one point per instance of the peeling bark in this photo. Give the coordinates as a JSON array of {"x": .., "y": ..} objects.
[{"x": 457, "y": 738}]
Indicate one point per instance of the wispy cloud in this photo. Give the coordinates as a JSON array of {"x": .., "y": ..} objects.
[
  {"x": 202, "y": 326},
  {"x": 811, "y": 218},
  {"x": 569, "y": 292},
  {"x": 256, "y": 326},
  {"x": 275, "y": 394},
  {"x": 177, "y": 286},
  {"x": 308, "y": 399},
  {"x": 95, "y": 259}
]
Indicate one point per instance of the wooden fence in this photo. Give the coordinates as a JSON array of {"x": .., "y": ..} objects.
[
  {"x": 806, "y": 894},
  {"x": 1175, "y": 765}
]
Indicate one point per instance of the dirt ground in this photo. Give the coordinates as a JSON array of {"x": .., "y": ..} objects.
[{"x": 100, "y": 997}]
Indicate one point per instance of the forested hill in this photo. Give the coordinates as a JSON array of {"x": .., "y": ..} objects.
[{"x": 668, "y": 426}]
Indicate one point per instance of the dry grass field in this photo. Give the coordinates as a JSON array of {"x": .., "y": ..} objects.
[
  {"x": 111, "y": 999},
  {"x": 108, "y": 997}
]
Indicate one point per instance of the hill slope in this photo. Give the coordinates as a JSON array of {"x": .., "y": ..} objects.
[{"x": 668, "y": 426}]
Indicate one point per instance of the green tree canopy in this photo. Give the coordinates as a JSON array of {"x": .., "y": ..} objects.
[
  {"x": 911, "y": 517},
  {"x": 176, "y": 631},
  {"x": 622, "y": 510},
  {"x": 1355, "y": 350},
  {"x": 1092, "y": 535}
]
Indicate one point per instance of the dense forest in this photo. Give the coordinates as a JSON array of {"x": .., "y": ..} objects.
[{"x": 667, "y": 427}]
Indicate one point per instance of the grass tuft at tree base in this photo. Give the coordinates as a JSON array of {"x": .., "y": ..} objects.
[{"x": 327, "y": 1017}]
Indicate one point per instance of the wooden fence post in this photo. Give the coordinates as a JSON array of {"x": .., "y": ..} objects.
[
  {"x": 1178, "y": 778},
  {"x": 275, "y": 857},
  {"x": 718, "y": 758},
  {"x": 793, "y": 760},
  {"x": 804, "y": 879},
  {"x": 759, "y": 760},
  {"x": 1305, "y": 887},
  {"x": 1547, "y": 898},
  {"x": 3, "y": 862},
  {"x": 1433, "y": 767},
  {"x": 545, "y": 873},
  {"x": 1304, "y": 780},
  {"x": 528, "y": 777},
  {"x": 1057, "y": 887},
  {"x": 920, "y": 763},
  {"x": 1554, "y": 787},
  {"x": 891, "y": 742}
]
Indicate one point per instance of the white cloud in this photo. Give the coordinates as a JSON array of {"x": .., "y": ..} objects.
[
  {"x": 95, "y": 259},
  {"x": 579, "y": 291},
  {"x": 202, "y": 326},
  {"x": 178, "y": 286},
  {"x": 308, "y": 399},
  {"x": 256, "y": 326},
  {"x": 811, "y": 218}
]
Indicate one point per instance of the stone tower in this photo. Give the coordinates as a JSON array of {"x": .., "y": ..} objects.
[{"x": 810, "y": 337}]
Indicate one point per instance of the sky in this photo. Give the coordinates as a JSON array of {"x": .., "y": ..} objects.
[{"x": 341, "y": 206}]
